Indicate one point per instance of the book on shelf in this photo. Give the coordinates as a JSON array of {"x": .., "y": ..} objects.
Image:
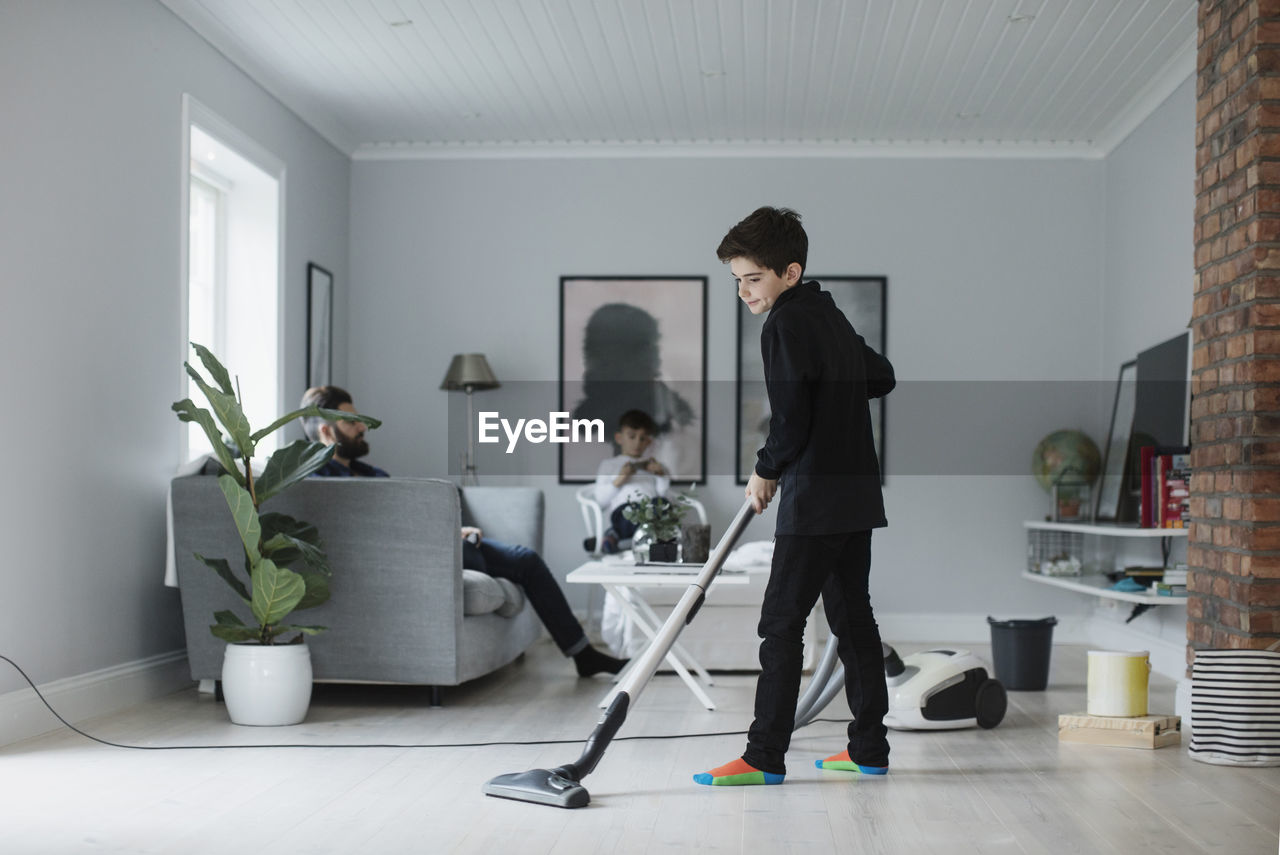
[
  {"x": 1164, "y": 589},
  {"x": 1174, "y": 489},
  {"x": 1146, "y": 458},
  {"x": 1166, "y": 486}
]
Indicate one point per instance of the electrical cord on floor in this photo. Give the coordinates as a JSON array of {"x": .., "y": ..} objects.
[{"x": 108, "y": 742}]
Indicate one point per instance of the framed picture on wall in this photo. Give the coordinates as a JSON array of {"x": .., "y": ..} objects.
[
  {"x": 319, "y": 325},
  {"x": 863, "y": 301},
  {"x": 635, "y": 343}
]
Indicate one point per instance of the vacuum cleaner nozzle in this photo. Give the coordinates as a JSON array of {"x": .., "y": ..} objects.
[
  {"x": 541, "y": 786},
  {"x": 561, "y": 786}
]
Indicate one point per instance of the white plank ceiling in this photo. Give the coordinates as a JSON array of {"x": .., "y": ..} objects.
[{"x": 416, "y": 77}]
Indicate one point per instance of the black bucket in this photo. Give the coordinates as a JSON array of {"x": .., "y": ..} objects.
[{"x": 1020, "y": 652}]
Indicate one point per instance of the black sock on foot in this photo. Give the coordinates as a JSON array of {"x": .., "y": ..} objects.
[{"x": 590, "y": 661}]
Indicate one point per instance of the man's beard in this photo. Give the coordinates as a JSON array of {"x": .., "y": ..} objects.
[{"x": 350, "y": 449}]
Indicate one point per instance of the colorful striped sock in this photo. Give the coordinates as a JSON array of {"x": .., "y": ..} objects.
[
  {"x": 842, "y": 762},
  {"x": 739, "y": 773}
]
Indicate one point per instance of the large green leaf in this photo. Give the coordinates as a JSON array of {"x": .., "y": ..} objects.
[
  {"x": 228, "y": 411},
  {"x": 231, "y": 628},
  {"x": 317, "y": 590},
  {"x": 215, "y": 369},
  {"x": 276, "y": 591},
  {"x": 223, "y": 569},
  {"x": 188, "y": 412},
  {"x": 226, "y": 617},
  {"x": 235, "y": 634},
  {"x": 291, "y": 464},
  {"x": 287, "y": 541},
  {"x": 287, "y": 551},
  {"x": 316, "y": 412},
  {"x": 273, "y": 524},
  {"x": 246, "y": 516}
]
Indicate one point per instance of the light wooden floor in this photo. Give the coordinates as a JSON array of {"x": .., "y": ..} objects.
[{"x": 1013, "y": 789}]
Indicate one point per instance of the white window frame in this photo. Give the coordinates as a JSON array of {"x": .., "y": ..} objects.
[
  {"x": 219, "y": 189},
  {"x": 196, "y": 113}
]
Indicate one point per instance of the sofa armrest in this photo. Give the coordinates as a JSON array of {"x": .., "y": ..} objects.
[{"x": 512, "y": 515}]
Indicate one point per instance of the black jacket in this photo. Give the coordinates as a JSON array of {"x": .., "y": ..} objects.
[{"x": 820, "y": 374}]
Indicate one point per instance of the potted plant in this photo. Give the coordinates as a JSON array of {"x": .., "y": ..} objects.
[
  {"x": 265, "y": 679},
  {"x": 658, "y": 527}
]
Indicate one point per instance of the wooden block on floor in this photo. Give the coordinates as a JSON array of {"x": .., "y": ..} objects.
[{"x": 1145, "y": 731}]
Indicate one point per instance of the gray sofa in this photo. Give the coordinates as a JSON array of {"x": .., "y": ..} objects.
[{"x": 396, "y": 613}]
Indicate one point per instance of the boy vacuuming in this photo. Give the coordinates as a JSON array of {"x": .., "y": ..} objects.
[{"x": 820, "y": 459}]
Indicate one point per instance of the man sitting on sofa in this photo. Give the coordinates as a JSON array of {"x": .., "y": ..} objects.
[{"x": 518, "y": 564}]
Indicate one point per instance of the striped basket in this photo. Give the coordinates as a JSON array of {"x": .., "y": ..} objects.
[{"x": 1235, "y": 707}]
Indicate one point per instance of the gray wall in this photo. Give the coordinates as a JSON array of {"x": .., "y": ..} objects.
[
  {"x": 994, "y": 266},
  {"x": 91, "y": 95},
  {"x": 1148, "y": 230}
]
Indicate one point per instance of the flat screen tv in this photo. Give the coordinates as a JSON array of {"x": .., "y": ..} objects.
[
  {"x": 1152, "y": 407},
  {"x": 1160, "y": 414}
]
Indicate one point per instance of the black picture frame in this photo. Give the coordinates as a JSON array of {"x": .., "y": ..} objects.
[
  {"x": 319, "y": 325},
  {"x": 635, "y": 342},
  {"x": 864, "y": 300},
  {"x": 1113, "y": 482}
]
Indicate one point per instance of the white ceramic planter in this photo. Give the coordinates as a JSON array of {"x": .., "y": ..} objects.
[{"x": 266, "y": 685}]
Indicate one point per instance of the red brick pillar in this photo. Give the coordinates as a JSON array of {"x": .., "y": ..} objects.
[{"x": 1234, "y": 550}]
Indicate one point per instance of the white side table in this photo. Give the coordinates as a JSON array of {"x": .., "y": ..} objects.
[{"x": 626, "y": 581}]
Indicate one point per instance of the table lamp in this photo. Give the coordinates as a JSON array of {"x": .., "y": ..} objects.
[{"x": 469, "y": 372}]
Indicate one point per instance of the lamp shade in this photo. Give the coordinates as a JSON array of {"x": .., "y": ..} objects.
[{"x": 469, "y": 370}]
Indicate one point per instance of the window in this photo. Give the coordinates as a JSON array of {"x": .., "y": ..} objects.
[
  {"x": 233, "y": 277},
  {"x": 207, "y": 266}
]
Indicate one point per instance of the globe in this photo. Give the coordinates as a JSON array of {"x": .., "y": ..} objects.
[{"x": 1066, "y": 454}]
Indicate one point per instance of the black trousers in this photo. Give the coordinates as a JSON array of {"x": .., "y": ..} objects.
[{"x": 837, "y": 567}]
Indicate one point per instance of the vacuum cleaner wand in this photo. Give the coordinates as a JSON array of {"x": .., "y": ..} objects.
[{"x": 562, "y": 786}]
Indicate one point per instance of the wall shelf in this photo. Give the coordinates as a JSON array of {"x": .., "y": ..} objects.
[
  {"x": 1106, "y": 530},
  {"x": 1047, "y": 540},
  {"x": 1099, "y": 586}
]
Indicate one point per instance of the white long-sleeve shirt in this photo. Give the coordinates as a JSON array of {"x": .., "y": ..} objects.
[{"x": 642, "y": 483}]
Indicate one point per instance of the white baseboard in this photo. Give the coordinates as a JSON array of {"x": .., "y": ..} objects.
[
  {"x": 1182, "y": 706},
  {"x": 923, "y": 628},
  {"x": 83, "y": 696},
  {"x": 1168, "y": 658}
]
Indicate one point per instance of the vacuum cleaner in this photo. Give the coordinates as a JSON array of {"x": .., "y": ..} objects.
[
  {"x": 930, "y": 690},
  {"x": 562, "y": 786},
  {"x": 922, "y": 679}
]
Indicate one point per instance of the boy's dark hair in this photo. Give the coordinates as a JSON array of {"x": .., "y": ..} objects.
[
  {"x": 326, "y": 398},
  {"x": 639, "y": 420},
  {"x": 770, "y": 237}
]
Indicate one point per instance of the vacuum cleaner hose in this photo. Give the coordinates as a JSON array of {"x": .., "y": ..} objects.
[{"x": 828, "y": 680}]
